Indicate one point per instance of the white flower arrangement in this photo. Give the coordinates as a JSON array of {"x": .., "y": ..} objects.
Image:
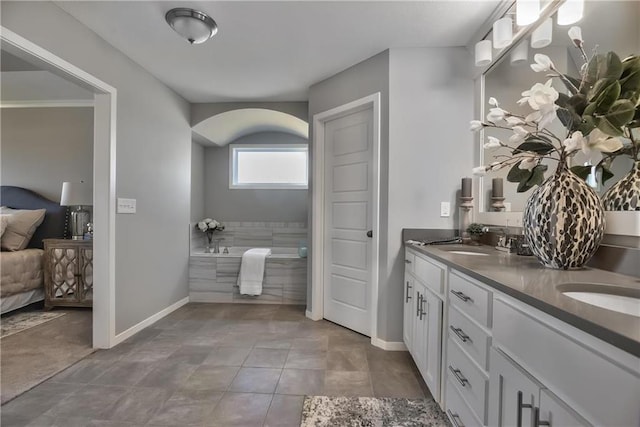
[{"x": 209, "y": 225}]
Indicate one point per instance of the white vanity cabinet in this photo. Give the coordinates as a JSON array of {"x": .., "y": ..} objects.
[{"x": 423, "y": 289}]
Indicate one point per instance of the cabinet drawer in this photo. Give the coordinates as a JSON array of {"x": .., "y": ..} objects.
[
  {"x": 409, "y": 261},
  {"x": 470, "y": 381},
  {"x": 593, "y": 385},
  {"x": 430, "y": 274},
  {"x": 469, "y": 336},
  {"x": 459, "y": 413},
  {"x": 470, "y": 299}
]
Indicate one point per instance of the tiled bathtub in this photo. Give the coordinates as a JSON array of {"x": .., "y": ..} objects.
[{"x": 213, "y": 277}]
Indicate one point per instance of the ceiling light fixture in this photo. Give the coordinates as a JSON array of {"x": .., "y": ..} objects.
[
  {"x": 483, "y": 53},
  {"x": 502, "y": 32},
  {"x": 570, "y": 12},
  {"x": 542, "y": 36},
  {"x": 527, "y": 11},
  {"x": 197, "y": 27}
]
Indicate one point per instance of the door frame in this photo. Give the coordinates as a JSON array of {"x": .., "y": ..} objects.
[
  {"x": 318, "y": 205},
  {"x": 104, "y": 183}
]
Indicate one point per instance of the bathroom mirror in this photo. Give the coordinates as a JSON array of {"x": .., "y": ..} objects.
[{"x": 610, "y": 25}]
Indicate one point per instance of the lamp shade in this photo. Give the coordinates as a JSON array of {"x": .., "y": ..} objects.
[
  {"x": 527, "y": 11},
  {"x": 502, "y": 32},
  {"x": 483, "y": 53},
  {"x": 542, "y": 36},
  {"x": 520, "y": 54},
  {"x": 570, "y": 12},
  {"x": 76, "y": 194}
]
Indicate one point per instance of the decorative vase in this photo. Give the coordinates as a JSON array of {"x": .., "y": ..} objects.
[
  {"x": 624, "y": 195},
  {"x": 209, "y": 246},
  {"x": 563, "y": 221}
]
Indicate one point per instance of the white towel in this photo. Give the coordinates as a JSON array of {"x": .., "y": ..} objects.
[{"x": 252, "y": 271}]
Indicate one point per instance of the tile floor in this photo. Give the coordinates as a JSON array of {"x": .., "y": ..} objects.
[{"x": 217, "y": 365}]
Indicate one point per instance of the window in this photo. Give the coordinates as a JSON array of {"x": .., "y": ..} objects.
[{"x": 268, "y": 166}]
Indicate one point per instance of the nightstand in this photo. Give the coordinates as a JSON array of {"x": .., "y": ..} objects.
[{"x": 68, "y": 273}]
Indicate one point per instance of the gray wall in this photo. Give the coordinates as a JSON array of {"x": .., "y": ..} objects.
[
  {"x": 153, "y": 160},
  {"x": 246, "y": 204},
  {"x": 42, "y": 147},
  {"x": 427, "y": 102},
  {"x": 203, "y": 111},
  {"x": 197, "y": 182},
  {"x": 363, "y": 79}
]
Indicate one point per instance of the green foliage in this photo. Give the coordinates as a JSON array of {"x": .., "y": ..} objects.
[
  {"x": 526, "y": 179},
  {"x": 475, "y": 229}
]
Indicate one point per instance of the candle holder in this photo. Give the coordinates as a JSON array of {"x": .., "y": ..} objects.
[
  {"x": 497, "y": 204},
  {"x": 466, "y": 213}
]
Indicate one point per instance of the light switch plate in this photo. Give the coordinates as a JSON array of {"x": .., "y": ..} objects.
[
  {"x": 126, "y": 206},
  {"x": 445, "y": 209}
]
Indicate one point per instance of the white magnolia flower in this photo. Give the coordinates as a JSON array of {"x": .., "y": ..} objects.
[
  {"x": 496, "y": 114},
  {"x": 514, "y": 121},
  {"x": 600, "y": 141},
  {"x": 575, "y": 142},
  {"x": 540, "y": 95},
  {"x": 493, "y": 102},
  {"x": 475, "y": 125},
  {"x": 543, "y": 63},
  {"x": 202, "y": 226},
  {"x": 214, "y": 224},
  {"x": 544, "y": 116},
  {"x": 575, "y": 34},
  {"x": 519, "y": 134},
  {"x": 480, "y": 170},
  {"x": 528, "y": 163},
  {"x": 492, "y": 143}
]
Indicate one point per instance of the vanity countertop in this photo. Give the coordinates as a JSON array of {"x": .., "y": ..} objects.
[{"x": 524, "y": 278}]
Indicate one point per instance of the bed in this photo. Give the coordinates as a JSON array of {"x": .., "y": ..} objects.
[{"x": 22, "y": 271}]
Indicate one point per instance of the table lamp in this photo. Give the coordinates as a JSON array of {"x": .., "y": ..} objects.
[{"x": 77, "y": 195}]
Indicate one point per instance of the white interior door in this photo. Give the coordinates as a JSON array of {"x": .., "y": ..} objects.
[{"x": 348, "y": 219}]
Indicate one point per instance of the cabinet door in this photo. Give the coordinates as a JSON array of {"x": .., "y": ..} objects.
[
  {"x": 557, "y": 413},
  {"x": 432, "y": 310},
  {"x": 409, "y": 312},
  {"x": 513, "y": 394}
]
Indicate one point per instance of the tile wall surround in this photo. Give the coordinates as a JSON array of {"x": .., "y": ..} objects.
[
  {"x": 214, "y": 280},
  {"x": 253, "y": 234}
]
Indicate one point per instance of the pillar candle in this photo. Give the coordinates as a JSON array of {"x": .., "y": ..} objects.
[
  {"x": 496, "y": 187},
  {"x": 466, "y": 187}
]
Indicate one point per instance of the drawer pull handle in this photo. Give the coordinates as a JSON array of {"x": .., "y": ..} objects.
[
  {"x": 462, "y": 296},
  {"x": 408, "y": 296},
  {"x": 455, "y": 418},
  {"x": 458, "y": 374},
  {"x": 407, "y": 261},
  {"x": 418, "y": 304},
  {"x": 536, "y": 419},
  {"x": 422, "y": 312},
  {"x": 460, "y": 333},
  {"x": 520, "y": 407}
]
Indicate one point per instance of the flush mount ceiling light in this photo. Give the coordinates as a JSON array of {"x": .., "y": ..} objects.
[{"x": 197, "y": 27}]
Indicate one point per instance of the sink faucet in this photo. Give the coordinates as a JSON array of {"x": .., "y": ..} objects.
[{"x": 504, "y": 241}]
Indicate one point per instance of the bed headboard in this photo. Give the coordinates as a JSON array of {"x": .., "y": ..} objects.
[{"x": 53, "y": 226}]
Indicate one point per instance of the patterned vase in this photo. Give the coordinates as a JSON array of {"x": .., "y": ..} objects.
[
  {"x": 563, "y": 221},
  {"x": 624, "y": 195}
]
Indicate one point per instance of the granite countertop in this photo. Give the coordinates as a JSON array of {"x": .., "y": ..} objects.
[{"x": 524, "y": 278}]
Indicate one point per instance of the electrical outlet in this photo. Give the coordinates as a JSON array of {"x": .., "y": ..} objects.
[
  {"x": 126, "y": 206},
  {"x": 445, "y": 209}
]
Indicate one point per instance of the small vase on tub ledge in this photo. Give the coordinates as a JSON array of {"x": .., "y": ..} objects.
[
  {"x": 210, "y": 226},
  {"x": 564, "y": 218}
]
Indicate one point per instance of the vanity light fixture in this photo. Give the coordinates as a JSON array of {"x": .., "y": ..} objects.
[
  {"x": 483, "y": 53},
  {"x": 520, "y": 54},
  {"x": 541, "y": 36},
  {"x": 570, "y": 12},
  {"x": 502, "y": 32},
  {"x": 197, "y": 27},
  {"x": 527, "y": 11}
]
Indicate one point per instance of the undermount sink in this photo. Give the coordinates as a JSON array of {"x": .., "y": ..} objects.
[
  {"x": 610, "y": 297},
  {"x": 461, "y": 252}
]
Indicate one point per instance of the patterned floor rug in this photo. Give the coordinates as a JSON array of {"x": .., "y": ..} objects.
[
  {"x": 320, "y": 411},
  {"x": 18, "y": 322}
]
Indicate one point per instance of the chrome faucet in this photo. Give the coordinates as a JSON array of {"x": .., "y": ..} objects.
[{"x": 504, "y": 241}]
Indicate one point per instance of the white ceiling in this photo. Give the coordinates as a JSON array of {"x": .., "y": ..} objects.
[{"x": 274, "y": 50}]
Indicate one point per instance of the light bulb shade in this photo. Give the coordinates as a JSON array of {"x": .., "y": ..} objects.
[
  {"x": 541, "y": 36},
  {"x": 76, "y": 194},
  {"x": 527, "y": 11},
  {"x": 483, "y": 53},
  {"x": 197, "y": 27},
  {"x": 520, "y": 54},
  {"x": 502, "y": 33},
  {"x": 570, "y": 12}
]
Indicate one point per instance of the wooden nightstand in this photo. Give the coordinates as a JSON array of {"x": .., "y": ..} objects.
[{"x": 68, "y": 273}]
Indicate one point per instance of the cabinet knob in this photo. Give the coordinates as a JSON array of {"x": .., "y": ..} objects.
[
  {"x": 455, "y": 418},
  {"x": 536, "y": 419},
  {"x": 520, "y": 407},
  {"x": 407, "y": 261},
  {"x": 419, "y": 298},
  {"x": 460, "y": 333},
  {"x": 408, "y": 296},
  {"x": 461, "y": 295},
  {"x": 458, "y": 375},
  {"x": 422, "y": 312}
]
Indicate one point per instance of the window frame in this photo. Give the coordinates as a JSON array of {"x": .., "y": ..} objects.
[{"x": 233, "y": 165}]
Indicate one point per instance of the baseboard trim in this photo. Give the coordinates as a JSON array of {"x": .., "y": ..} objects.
[
  {"x": 149, "y": 321},
  {"x": 388, "y": 345},
  {"x": 310, "y": 315}
]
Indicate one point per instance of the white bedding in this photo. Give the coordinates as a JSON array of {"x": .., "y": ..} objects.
[{"x": 22, "y": 271}]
